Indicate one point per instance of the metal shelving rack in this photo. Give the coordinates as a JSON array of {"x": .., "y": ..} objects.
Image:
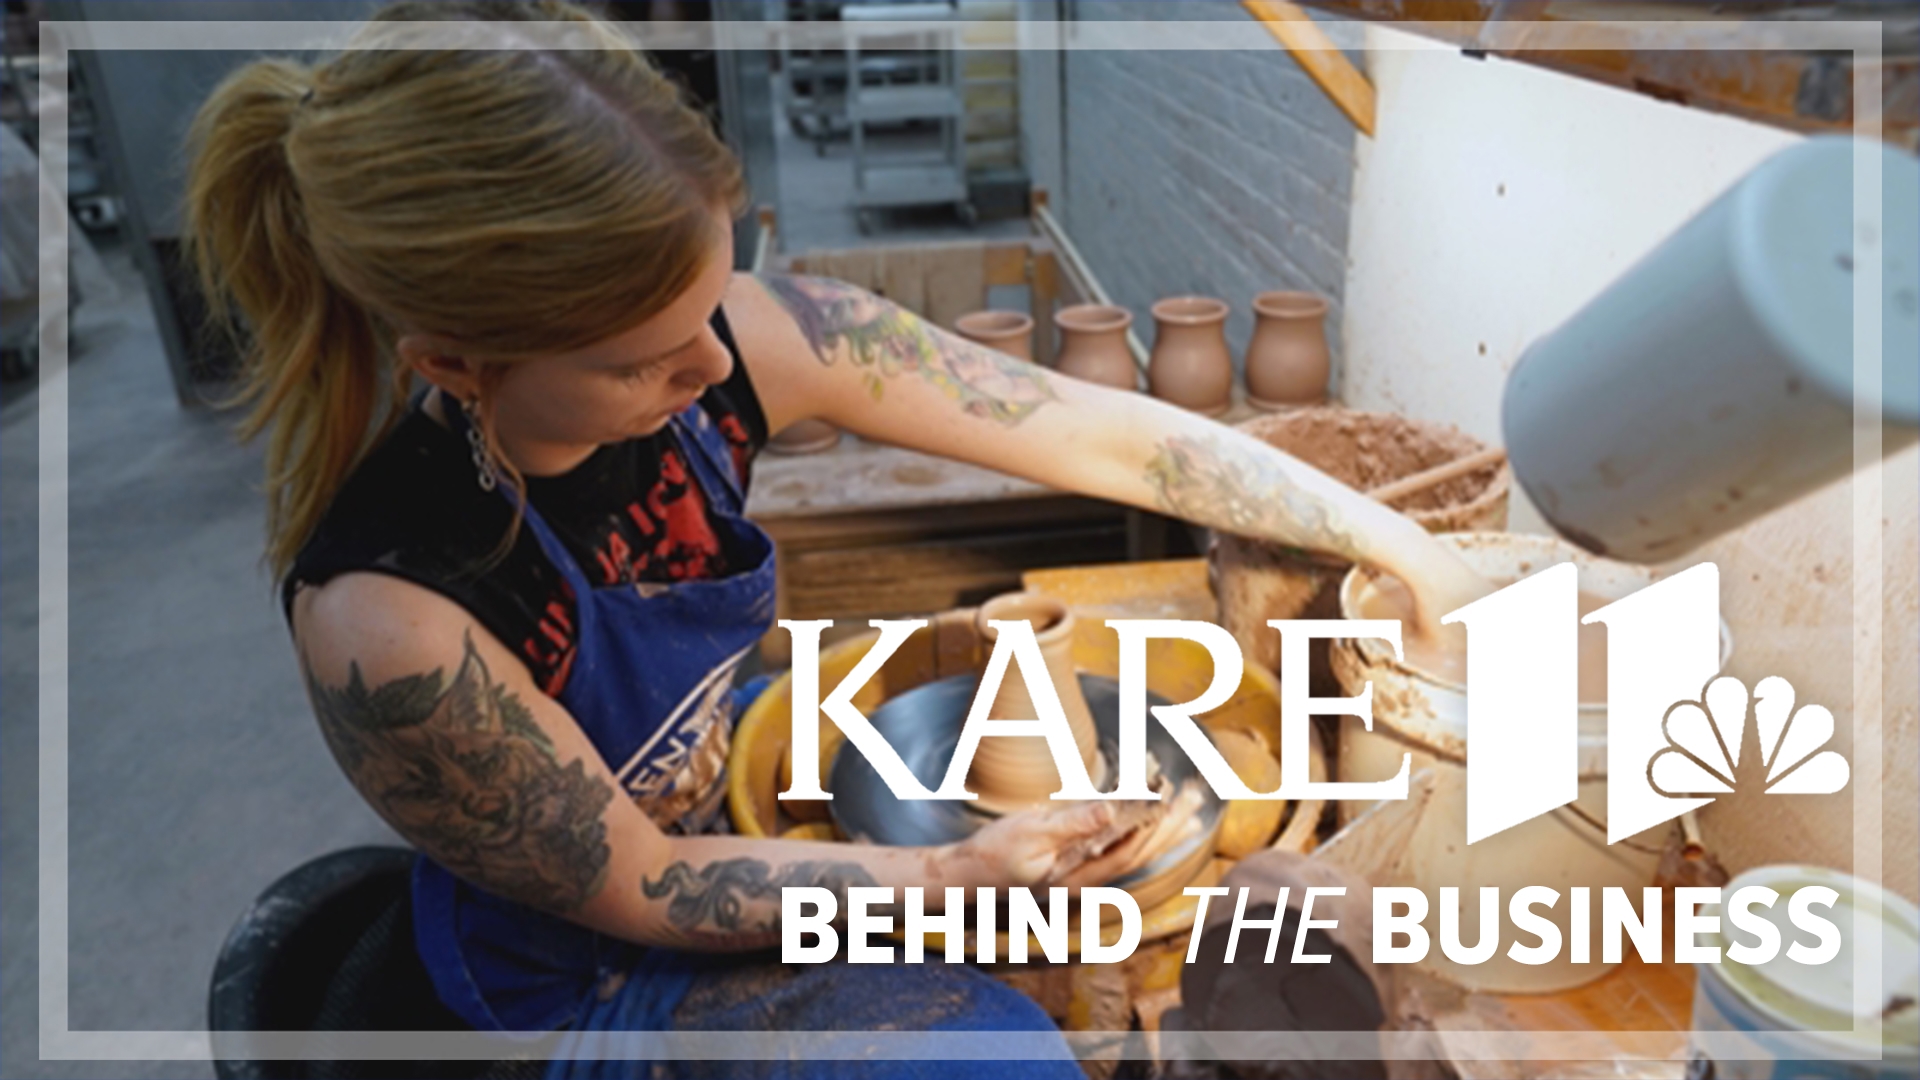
[
  {"x": 889, "y": 178},
  {"x": 813, "y": 82},
  {"x": 90, "y": 195}
]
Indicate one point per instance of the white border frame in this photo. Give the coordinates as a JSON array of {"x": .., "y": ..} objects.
[{"x": 58, "y": 1041}]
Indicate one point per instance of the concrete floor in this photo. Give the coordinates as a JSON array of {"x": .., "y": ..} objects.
[{"x": 196, "y": 774}]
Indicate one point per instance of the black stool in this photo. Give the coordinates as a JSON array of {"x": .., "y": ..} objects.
[{"x": 329, "y": 947}]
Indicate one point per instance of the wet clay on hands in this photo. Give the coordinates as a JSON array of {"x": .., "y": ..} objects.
[{"x": 1141, "y": 830}]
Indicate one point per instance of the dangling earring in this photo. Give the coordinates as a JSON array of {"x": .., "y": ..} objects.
[{"x": 482, "y": 458}]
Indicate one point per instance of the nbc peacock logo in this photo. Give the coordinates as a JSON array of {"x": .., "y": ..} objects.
[{"x": 1706, "y": 739}]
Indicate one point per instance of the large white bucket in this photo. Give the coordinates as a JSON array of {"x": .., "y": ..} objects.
[{"x": 1427, "y": 715}]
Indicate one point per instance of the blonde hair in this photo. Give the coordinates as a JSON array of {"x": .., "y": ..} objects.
[{"x": 519, "y": 195}]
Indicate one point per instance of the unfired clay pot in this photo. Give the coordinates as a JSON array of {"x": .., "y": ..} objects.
[
  {"x": 1190, "y": 366},
  {"x": 805, "y": 437},
  {"x": 1008, "y": 331},
  {"x": 1013, "y": 773},
  {"x": 1093, "y": 345},
  {"x": 1287, "y": 359}
]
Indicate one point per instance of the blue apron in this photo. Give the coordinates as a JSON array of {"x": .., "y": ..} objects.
[
  {"x": 652, "y": 669},
  {"x": 649, "y": 684}
]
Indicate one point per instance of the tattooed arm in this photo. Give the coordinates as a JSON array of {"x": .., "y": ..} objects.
[
  {"x": 817, "y": 347},
  {"x": 445, "y": 734},
  {"x": 1215, "y": 476}
]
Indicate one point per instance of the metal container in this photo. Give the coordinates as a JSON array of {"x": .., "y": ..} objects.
[
  {"x": 1714, "y": 380},
  {"x": 1785, "y": 1019},
  {"x": 1415, "y": 712}
]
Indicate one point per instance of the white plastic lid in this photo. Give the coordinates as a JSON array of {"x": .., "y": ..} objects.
[{"x": 1821, "y": 996}]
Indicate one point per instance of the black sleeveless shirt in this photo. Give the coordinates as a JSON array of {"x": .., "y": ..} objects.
[{"x": 631, "y": 512}]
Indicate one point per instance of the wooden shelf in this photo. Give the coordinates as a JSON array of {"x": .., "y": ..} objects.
[{"x": 1803, "y": 90}]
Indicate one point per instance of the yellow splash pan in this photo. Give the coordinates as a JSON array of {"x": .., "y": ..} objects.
[{"x": 1176, "y": 670}]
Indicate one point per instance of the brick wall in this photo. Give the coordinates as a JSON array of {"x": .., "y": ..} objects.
[{"x": 1223, "y": 173}]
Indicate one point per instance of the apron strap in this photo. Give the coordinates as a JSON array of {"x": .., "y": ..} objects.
[{"x": 710, "y": 456}]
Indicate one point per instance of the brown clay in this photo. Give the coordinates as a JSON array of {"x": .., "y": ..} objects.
[
  {"x": 805, "y": 437},
  {"x": 1009, "y": 332},
  {"x": 1093, "y": 345},
  {"x": 1013, "y": 773},
  {"x": 1287, "y": 364},
  {"x": 1190, "y": 365},
  {"x": 1255, "y": 581}
]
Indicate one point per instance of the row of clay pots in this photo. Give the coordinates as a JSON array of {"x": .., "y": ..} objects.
[
  {"x": 1093, "y": 340},
  {"x": 1286, "y": 362}
]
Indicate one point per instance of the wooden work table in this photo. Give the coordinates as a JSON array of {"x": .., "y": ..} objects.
[{"x": 865, "y": 530}]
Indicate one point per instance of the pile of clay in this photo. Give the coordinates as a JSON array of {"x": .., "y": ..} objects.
[
  {"x": 1365, "y": 450},
  {"x": 1257, "y": 580}
]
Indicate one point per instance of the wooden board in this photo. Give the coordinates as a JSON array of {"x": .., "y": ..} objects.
[
  {"x": 1788, "y": 86},
  {"x": 966, "y": 566},
  {"x": 1158, "y": 589},
  {"x": 861, "y": 476}
]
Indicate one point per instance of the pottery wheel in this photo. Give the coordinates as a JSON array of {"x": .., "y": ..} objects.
[{"x": 923, "y": 725}]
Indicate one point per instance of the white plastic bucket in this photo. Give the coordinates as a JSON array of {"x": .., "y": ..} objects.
[
  {"x": 1785, "y": 1019},
  {"x": 1426, "y": 715}
]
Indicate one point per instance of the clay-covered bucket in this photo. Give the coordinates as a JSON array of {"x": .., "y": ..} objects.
[
  {"x": 1255, "y": 580},
  {"x": 1426, "y": 715}
]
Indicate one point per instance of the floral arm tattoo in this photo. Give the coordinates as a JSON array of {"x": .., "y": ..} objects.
[
  {"x": 461, "y": 769},
  {"x": 885, "y": 341},
  {"x": 1224, "y": 485},
  {"x": 735, "y": 903}
]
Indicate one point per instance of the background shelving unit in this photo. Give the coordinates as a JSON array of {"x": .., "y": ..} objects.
[{"x": 877, "y": 56}]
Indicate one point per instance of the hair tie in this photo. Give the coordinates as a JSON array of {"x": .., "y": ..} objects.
[{"x": 306, "y": 98}]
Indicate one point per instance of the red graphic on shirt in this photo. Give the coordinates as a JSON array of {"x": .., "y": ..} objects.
[
  {"x": 549, "y": 651},
  {"x": 672, "y": 537},
  {"x": 739, "y": 443},
  {"x": 665, "y": 536}
]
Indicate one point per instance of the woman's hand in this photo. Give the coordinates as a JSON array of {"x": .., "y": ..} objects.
[{"x": 1082, "y": 844}]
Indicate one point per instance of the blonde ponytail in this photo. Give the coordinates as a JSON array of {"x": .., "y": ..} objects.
[
  {"x": 313, "y": 375},
  {"x": 525, "y": 200}
]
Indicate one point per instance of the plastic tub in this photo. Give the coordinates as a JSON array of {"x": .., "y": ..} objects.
[{"x": 1784, "y": 1018}]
